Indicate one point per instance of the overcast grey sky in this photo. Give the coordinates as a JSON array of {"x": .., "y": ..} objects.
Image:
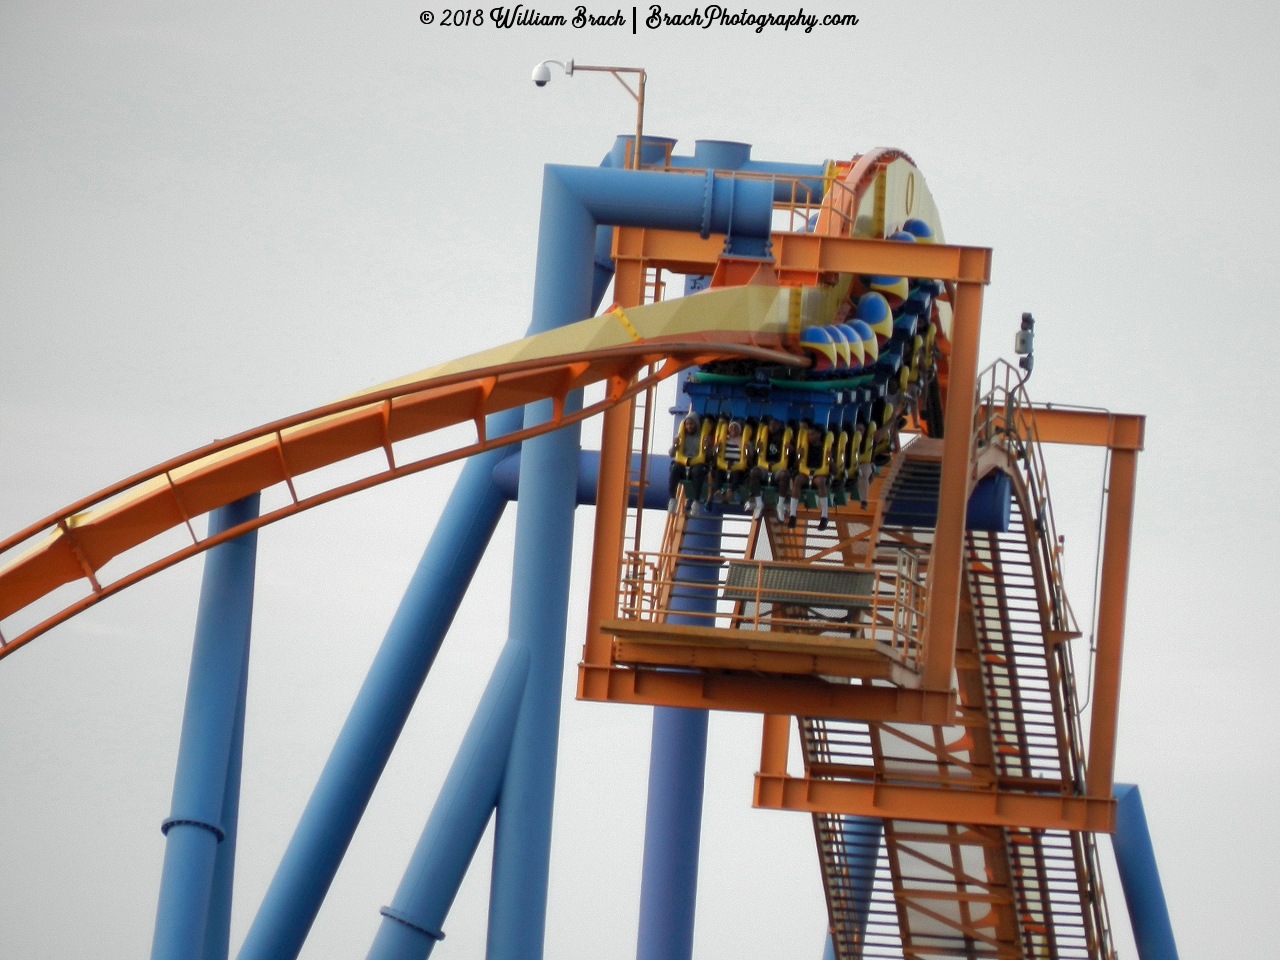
[{"x": 217, "y": 215}]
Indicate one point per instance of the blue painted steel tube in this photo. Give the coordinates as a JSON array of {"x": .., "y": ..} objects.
[
  {"x": 381, "y": 707},
  {"x": 507, "y": 476},
  {"x": 862, "y": 837},
  {"x": 1143, "y": 894},
  {"x": 741, "y": 209},
  {"x": 414, "y": 922},
  {"x": 714, "y": 154},
  {"x": 207, "y": 751},
  {"x": 575, "y": 203},
  {"x": 539, "y": 609},
  {"x": 540, "y": 571},
  {"x": 218, "y": 927},
  {"x": 730, "y": 155},
  {"x": 677, "y": 767}
]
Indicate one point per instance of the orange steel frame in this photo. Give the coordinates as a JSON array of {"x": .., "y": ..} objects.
[
  {"x": 1122, "y": 435},
  {"x": 802, "y": 259}
]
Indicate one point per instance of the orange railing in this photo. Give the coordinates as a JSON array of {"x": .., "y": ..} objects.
[
  {"x": 1005, "y": 415},
  {"x": 883, "y": 605}
]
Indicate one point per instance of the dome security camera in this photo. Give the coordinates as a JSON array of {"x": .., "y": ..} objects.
[{"x": 542, "y": 73}]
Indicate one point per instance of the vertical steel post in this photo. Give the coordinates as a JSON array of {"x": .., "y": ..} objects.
[
  {"x": 540, "y": 596},
  {"x": 946, "y": 564},
  {"x": 218, "y": 926},
  {"x": 414, "y": 922},
  {"x": 611, "y": 502},
  {"x": 677, "y": 767},
  {"x": 1113, "y": 586},
  {"x": 208, "y": 752},
  {"x": 862, "y": 836},
  {"x": 1143, "y": 894},
  {"x": 861, "y": 840},
  {"x": 575, "y": 202},
  {"x": 539, "y": 609},
  {"x": 381, "y": 707}
]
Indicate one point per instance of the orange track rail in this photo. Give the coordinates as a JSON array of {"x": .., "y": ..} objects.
[{"x": 77, "y": 541}]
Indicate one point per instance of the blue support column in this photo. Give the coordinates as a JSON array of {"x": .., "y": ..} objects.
[
  {"x": 1143, "y": 893},
  {"x": 414, "y": 922},
  {"x": 539, "y": 607},
  {"x": 381, "y": 707},
  {"x": 209, "y": 749},
  {"x": 677, "y": 767},
  {"x": 861, "y": 837},
  {"x": 575, "y": 203},
  {"x": 218, "y": 926}
]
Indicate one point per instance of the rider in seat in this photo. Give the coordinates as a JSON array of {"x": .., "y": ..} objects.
[
  {"x": 773, "y": 460},
  {"x": 813, "y": 455},
  {"x": 688, "y": 459},
  {"x": 734, "y": 452}
]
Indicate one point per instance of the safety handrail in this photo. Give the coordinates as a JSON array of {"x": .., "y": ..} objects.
[
  {"x": 1005, "y": 413},
  {"x": 889, "y": 610}
]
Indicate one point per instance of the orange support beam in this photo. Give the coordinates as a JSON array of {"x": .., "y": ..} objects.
[
  {"x": 1091, "y": 428},
  {"x": 611, "y": 494},
  {"x": 774, "y": 743},
  {"x": 807, "y": 254},
  {"x": 750, "y": 693},
  {"x": 1121, "y": 479},
  {"x": 997, "y": 808},
  {"x": 611, "y": 507},
  {"x": 946, "y": 566}
]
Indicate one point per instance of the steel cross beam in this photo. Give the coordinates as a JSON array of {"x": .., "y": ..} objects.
[
  {"x": 800, "y": 257},
  {"x": 774, "y": 789}
]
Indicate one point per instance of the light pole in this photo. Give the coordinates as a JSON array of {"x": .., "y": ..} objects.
[{"x": 542, "y": 74}]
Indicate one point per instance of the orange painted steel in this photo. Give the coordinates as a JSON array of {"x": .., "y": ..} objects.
[
  {"x": 774, "y": 663},
  {"x": 1089, "y": 428},
  {"x": 1001, "y": 802},
  {"x": 996, "y": 808},
  {"x": 842, "y": 203},
  {"x": 946, "y": 565},
  {"x": 1076, "y": 426},
  {"x": 611, "y": 507},
  {"x": 612, "y": 487},
  {"x": 1033, "y": 803},
  {"x": 1121, "y": 480},
  {"x": 740, "y": 654},
  {"x": 79, "y": 540},
  {"x": 806, "y": 252},
  {"x": 754, "y": 693},
  {"x": 891, "y": 600}
]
